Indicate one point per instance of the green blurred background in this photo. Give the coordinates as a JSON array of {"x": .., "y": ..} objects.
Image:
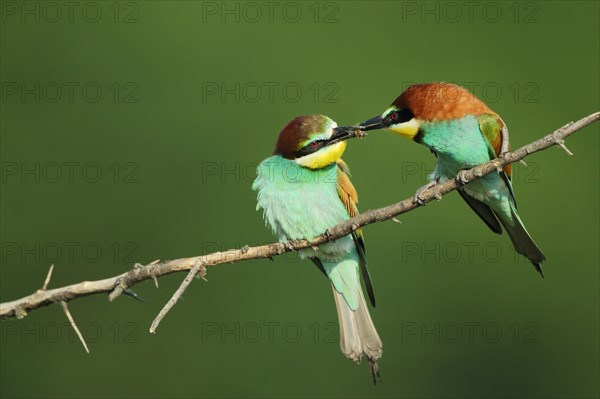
[{"x": 131, "y": 132}]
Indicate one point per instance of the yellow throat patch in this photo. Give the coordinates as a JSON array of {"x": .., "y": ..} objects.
[
  {"x": 324, "y": 157},
  {"x": 407, "y": 129}
]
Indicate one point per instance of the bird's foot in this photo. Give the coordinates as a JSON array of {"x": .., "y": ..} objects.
[
  {"x": 461, "y": 177},
  {"x": 417, "y": 197},
  {"x": 329, "y": 235}
]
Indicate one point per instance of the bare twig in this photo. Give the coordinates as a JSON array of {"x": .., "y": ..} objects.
[
  {"x": 79, "y": 334},
  {"x": 198, "y": 267},
  {"x": 116, "y": 285}
]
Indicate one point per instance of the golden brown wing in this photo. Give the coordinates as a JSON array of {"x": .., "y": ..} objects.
[{"x": 349, "y": 198}]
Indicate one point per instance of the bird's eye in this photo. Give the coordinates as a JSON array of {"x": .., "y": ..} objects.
[
  {"x": 394, "y": 116},
  {"x": 314, "y": 144}
]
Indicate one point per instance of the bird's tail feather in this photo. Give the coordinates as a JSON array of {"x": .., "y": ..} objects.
[
  {"x": 358, "y": 335},
  {"x": 521, "y": 239}
]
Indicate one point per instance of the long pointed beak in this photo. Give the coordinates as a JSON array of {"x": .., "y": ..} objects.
[
  {"x": 371, "y": 124},
  {"x": 342, "y": 133}
]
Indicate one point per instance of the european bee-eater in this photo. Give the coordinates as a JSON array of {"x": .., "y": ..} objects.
[
  {"x": 462, "y": 132},
  {"x": 304, "y": 189}
]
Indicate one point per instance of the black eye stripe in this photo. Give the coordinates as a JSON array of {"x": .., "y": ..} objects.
[
  {"x": 401, "y": 116},
  {"x": 308, "y": 149}
]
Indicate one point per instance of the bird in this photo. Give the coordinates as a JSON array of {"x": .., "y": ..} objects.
[
  {"x": 304, "y": 188},
  {"x": 462, "y": 132}
]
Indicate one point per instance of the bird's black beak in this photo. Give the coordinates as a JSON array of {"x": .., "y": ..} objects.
[
  {"x": 342, "y": 133},
  {"x": 371, "y": 124}
]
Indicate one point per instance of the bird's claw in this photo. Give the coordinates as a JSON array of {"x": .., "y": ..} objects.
[
  {"x": 461, "y": 178},
  {"x": 329, "y": 235},
  {"x": 417, "y": 199}
]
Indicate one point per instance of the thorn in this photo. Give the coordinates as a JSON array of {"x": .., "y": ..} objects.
[
  {"x": 522, "y": 162},
  {"x": 561, "y": 144},
  {"x": 155, "y": 281},
  {"x": 154, "y": 262},
  {"x": 45, "y": 286},
  {"x": 245, "y": 249},
  {"x": 137, "y": 265},
  {"x": 68, "y": 313},
  {"x": 396, "y": 220},
  {"x": 133, "y": 295}
]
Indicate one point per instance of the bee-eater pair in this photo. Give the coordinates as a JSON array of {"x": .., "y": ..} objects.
[{"x": 304, "y": 189}]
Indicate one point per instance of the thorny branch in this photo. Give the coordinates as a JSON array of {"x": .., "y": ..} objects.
[{"x": 122, "y": 283}]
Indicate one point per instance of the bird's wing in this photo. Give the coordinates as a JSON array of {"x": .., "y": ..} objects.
[
  {"x": 349, "y": 198},
  {"x": 485, "y": 212},
  {"x": 495, "y": 133}
]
